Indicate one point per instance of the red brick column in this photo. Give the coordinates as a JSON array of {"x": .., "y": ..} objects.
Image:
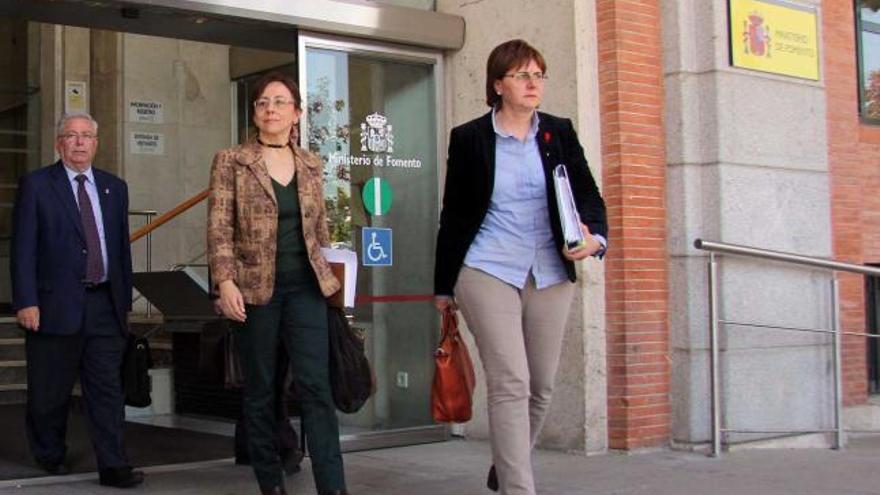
[
  {"x": 853, "y": 157},
  {"x": 634, "y": 187}
]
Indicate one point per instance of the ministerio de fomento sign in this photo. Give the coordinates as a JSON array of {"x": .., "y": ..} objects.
[
  {"x": 773, "y": 36},
  {"x": 376, "y": 147}
]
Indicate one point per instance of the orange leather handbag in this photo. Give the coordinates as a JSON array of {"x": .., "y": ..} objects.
[{"x": 453, "y": 388}]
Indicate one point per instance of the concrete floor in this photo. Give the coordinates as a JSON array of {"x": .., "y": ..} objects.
[{"x": 458, "y": 467}]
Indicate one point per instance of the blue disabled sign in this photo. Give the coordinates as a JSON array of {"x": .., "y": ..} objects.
[{"x": 376, "y": 244}]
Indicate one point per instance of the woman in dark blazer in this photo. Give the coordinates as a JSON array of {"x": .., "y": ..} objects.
[
  {"x": 501, "y": 256},
  {"x": 266, "y": 227}
]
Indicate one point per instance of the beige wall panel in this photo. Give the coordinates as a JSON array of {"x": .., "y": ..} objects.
[{"x": 191, "y": 82}]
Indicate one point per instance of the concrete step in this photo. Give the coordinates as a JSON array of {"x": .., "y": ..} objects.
[
  {"x": 12, "y": 349},
  {"x": 10, "y": 330},
  {"x": 13, "y": 372},
  {"x": 13, "y": 394}
]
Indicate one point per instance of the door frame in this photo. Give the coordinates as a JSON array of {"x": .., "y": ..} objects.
[
  {"x": 385, "y": 51},
  {"x": 872, "y": 325}
]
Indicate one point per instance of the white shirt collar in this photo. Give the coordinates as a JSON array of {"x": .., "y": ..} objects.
[{"x": 72, "y": 173}]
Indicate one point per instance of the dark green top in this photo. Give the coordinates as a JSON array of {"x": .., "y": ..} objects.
[{"x": 291, "y": 256}]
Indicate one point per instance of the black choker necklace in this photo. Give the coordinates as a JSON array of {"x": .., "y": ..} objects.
[{"x": 269, "y": 145}]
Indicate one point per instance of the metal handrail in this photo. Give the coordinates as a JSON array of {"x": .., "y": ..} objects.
[
  {"x": 797, "y": 259},
  {"x": 715, "y": 321},
  {"x": 153, "y": 224},
  {"x": 148, "y": 214},
  {"x": 170, "y": 215}
]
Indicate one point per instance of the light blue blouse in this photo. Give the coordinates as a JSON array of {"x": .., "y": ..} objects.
[{"x": 515, "y": 237}]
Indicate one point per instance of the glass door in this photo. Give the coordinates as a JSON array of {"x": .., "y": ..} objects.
[{"x": 372, "y": 114}]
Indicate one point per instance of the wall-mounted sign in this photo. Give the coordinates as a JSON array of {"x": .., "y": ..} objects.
[
  {"x": 148, "y": 112},
  {"x": 75, "y": 96},
  {"x": 147, "y": 143},
  {"x": 775, "y": 37},
  {"x": 377, "y": 196},
  {"x": 376, "y": 244}
]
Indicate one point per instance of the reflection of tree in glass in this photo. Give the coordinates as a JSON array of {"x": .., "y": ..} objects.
[
  {"x": 872, "y": 95},
  {"x": 339, "y": 217},
  {"x": 329, "y": 133},
  {"x": 871, "y": 4},
  {"x": 326, "y": 132}
]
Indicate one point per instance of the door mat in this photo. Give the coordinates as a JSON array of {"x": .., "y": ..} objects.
[{"x": 146, "y": 445}]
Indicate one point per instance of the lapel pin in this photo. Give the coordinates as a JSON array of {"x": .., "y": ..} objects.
[{"x": 106, "y": 191}]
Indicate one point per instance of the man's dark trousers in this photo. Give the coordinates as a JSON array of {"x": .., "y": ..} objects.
[{"x": 94, "y": 354}]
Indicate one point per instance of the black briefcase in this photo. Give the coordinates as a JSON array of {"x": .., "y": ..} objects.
[{"x": 136, "y": 372}]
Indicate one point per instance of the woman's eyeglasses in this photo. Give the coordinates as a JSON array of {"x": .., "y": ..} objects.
[
  {"x": 524, "y": 77},
  {"x": 264, "y": 104}
]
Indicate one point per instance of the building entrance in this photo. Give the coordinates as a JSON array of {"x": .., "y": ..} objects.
[{"x": 171, "y": 92}]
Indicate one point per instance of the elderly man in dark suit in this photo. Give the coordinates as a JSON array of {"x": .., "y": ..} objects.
[{"x": 71, "y": 284}]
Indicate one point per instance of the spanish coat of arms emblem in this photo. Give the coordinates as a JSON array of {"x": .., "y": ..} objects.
[
  {"x": 376, "y": 135},
  {"x": 756, "y": 36}
]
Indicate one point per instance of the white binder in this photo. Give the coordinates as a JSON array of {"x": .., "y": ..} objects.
[
  {"x": 343, "y": 262},
  {"x": 568, "y": 214}
]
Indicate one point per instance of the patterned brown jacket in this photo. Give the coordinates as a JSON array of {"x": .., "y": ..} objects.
[{"x": 243, "y": 220}]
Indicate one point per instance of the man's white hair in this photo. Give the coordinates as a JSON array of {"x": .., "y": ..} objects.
[{"x": 59, "y": 128}]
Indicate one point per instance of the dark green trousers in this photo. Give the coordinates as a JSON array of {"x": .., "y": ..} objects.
[{"x": 296, "y": 316}]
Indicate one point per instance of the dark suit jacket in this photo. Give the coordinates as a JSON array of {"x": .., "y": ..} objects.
[
  {"x": 48, "y": 261},
  {"x": 470, "y": 177}
]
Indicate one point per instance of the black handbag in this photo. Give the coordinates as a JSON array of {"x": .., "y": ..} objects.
[
  {"x": 233, "y": 376},
  {"x": 219, "y": 363},
  {"x": 136, "y": 366},
  {"x": 351, "y": 378}
]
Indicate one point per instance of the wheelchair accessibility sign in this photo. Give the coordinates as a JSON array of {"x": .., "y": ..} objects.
[{"x": 376, "y": 243}]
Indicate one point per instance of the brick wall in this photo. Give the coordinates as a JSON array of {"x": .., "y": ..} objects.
[
  {"x": 854, "y": 159},
  {"x": 634, "y": 183}
]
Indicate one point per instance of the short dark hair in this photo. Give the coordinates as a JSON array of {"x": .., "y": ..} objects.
[
  {"x": 508, "y": 55},
  {"x": 280, "y": 77}
]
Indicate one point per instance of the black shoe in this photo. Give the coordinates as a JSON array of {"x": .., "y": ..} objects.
[
  {"x": 492, "y": 479},
  {"x": 54, "y": 468},
  {"x": 121, "y": 477},
  {"x": 275, "y": 490},
  {"x": 291, "y": 460}
]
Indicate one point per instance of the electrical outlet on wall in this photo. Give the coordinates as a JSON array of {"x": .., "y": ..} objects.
[{"x": 402, "y": 379}]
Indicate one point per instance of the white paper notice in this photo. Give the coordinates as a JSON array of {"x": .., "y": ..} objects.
[
  {"x": 75, "y": 96},
  {"x": 143, "y": 111},
  {"x": 349, "y": 259},
  {"x": 147, "y": 143}
]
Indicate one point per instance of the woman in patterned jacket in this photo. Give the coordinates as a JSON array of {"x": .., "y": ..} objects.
[{"x": 266, "y": 227}]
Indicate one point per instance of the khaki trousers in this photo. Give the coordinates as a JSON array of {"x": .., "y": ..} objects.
[{"x": 519, "y": 338}]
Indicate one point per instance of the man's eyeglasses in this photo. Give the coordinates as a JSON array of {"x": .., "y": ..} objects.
[
  {"x": 73, "y": 136},
  {"x": 524, "y": 77},
  {"x": 264, "y": 104}
]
